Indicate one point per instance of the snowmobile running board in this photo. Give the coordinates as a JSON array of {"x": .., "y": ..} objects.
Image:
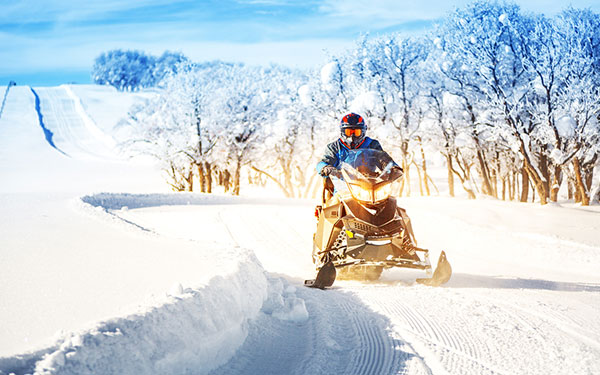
[{"x": 395, "y": 262}]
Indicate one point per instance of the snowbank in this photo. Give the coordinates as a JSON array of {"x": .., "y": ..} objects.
[{"x": 190, "y": 332}]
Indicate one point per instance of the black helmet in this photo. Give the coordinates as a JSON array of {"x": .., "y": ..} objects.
[{"x": 352, "y": 130}]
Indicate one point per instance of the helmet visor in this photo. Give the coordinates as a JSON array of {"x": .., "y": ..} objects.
[{"x": 350, "y": 132}]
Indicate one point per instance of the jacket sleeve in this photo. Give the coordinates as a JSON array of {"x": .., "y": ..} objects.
[{"x": 330, "y": 158}]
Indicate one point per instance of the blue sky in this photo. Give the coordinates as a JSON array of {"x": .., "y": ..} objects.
[{"x": 53, "y": 42}]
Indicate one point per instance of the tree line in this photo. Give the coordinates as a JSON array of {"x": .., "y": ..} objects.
[{"x": 510, "y": 100}]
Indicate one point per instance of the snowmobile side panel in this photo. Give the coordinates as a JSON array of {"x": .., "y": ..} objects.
[
  {"x": 407, "y": 224},
  {"x": 325, "y": 227}
]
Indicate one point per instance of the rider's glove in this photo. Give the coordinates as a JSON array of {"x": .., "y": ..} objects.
[
  {"x": 329, "y": 170},
  {"x": 396, "y": 172}
]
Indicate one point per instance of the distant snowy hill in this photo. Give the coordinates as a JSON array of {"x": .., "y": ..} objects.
[{"x": 103, "y": 271}]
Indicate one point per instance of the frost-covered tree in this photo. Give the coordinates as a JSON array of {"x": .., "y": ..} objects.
[
  {"x": 243, "y": 105},
  {"x": 511, "y": 70},
  {"x": 125, "y": 70},
  {"x": 579, "y": 99},
  {"x": 484, "y": 45},
  {"x": 544, "y": 55},
  {"x": 292, "y": 135},
  {"x": 170, "y": 126},
  {"x": 218, "y": 118},
  {"x": 451, "y": 133},
  {"x": 580, "y": 128},
  {"x": 132, "y": 70}
]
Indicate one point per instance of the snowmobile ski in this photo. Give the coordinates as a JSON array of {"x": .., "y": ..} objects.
[
  {"x": 325, "y": 277},
  {"x": 442, "y": 273}
]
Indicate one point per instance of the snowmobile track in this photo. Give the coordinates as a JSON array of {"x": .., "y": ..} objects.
[
  {"x": 454, "y": 348},
  {"x": 372, "y": 359},
  {"x": 556, "y": 319},
  {"x": 378, "y": 351}
]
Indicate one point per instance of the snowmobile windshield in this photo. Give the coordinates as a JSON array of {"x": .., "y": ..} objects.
[
  {"x": 368, "y": 165},
  {"x": 368, "y": 175}
]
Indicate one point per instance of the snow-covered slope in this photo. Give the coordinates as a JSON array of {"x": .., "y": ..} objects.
[
  {"x": 137, "y": 280},
  {"x": 28, "y": 163}
]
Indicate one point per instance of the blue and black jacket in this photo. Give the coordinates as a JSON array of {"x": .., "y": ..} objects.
[{"x": 338, "y": 150}]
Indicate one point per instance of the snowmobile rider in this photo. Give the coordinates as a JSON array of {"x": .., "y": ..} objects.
[{"x": 353, "y": 136}]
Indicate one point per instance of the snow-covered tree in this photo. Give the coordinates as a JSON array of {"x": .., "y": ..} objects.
[
  {"x": 170, "y": 126},
  {"x": 579, "y": 99},
  {"x": 132, "y": 70},
  {"x": 485, "y": 58}
]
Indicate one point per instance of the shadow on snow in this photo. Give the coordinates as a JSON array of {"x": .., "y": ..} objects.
[{"x": 462, "y": 280}]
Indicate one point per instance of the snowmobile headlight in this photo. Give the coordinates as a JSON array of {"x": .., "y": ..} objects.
[
  {"x": 383, "y": 192},
  {"x": 360, "y": 193}
]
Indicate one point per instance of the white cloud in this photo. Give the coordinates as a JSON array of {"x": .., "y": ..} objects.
[
  {"x": 31, "y": 55},
  {"x": 388, "y": 10},
  {"x": 409, "y": 10}
]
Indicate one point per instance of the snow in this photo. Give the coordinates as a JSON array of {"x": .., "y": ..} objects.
[
  {"x": 283, "y": 304},
  {"x": 182, "y": 334},
  {"x": 305, "y": 95},
  {"x": 102, "y": 270},
  {"x": 503, "y": 18},
  {"x": 566, "y": 126},
  {"x": 88, "y": 122},
  {"x": 329, "y": 72},
  {"x": 366, "y": 101}
]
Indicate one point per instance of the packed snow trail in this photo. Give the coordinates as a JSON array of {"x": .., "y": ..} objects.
[
  {"x": 479, "y": 323},
  {"x": 68, "y": 127}
]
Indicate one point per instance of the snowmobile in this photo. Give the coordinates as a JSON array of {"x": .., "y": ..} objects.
[{"x": 361, "y": 230}]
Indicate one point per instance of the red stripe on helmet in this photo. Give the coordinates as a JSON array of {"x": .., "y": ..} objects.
[{"x": 353, "y": 148}]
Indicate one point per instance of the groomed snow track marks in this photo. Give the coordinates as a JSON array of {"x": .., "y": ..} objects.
[
  {"x": 457, "y": 345},
  {"x": 451, "y": 346},
  {"x": 342, "y": 336},
  {"x": 554, "y": 336},
  {"x": 476, "y": 333},
  {"x": 377, "y": 352},
  {"x": 350, "y": 338}
]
